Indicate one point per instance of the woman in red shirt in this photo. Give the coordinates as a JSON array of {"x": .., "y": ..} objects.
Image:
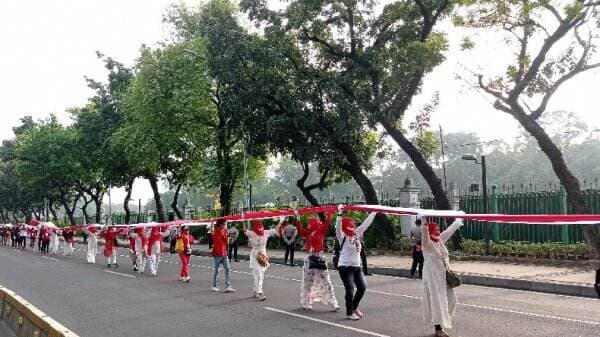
[
  {"x": 185, "y": 253},
  {"x": 316, "y": 283}
]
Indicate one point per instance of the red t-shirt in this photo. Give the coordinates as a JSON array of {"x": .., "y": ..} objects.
[{"x": 219, "y": 239}]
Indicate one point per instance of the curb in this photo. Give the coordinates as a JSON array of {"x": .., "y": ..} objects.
[
  {"x": 24, "y": 319},
  {"x": 473, "y": 279}
]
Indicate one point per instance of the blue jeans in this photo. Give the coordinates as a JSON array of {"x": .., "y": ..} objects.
[{"x": 221, "y": 260}]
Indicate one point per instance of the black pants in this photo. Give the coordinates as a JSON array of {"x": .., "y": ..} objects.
[
  {"x": 233, "y": 248},
  {"x": 363, "y": 259},
  {"x": 289, "y": 251},
  {"x": 45, "y": 245},
  {"x": 172, "y": 245},
  {"x": 597, "y": 285},
  {"x": 209, "y": 242},
  {"x": 23, "y": 242},
  {"x": 418, "y": 260},
  {"x": 352, "y": 277}
]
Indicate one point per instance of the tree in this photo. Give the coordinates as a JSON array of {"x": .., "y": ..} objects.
[
  {"x": 235, "y": 131},
  {"x": 167, "y": 108},
  {"x": 551, "y": 47},
  {"x": 104, "y": 164},
  {"x": 379, "y": 58},
  {"x": 46, "y": 160}
]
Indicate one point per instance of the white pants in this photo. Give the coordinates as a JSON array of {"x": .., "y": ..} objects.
[
  {"x": 67, "y": 248},
  {"x": 113, "y": 258},
  {"x": 140, "y": 261},
  {"x": 54, "y": 245},
  {"x": 154, "y": 257},
  {"x": 258, "y": 275},
  {"x": 92, "y": 249}
]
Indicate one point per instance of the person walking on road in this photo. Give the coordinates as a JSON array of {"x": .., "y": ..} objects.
[
  {"x": 259, "y": 261},
  {"x": 183, "y": 246},
  {"x": 417, "y": 251},
  {"x": 316, "y": 283},
  {"x": 132, "y": 254},
  {"x": 92, "y": 243},
  {"x": 219, "y": 253},
  {"x": 54, "y": 242},
  {"x": 234, "y": 238},
  {"x": 22, "y": 236},
  {"x": 68, "y": 241},
  {"x": 439, "y": 301},
  {"x": 289, "y": 240},
  {"x": 155, "y": 247},
  {"x": 173, "y": 236},
  {"x": 110, "y": 247},
  {"x": 349, "y": 262},
  {"x": 140, "y": 247}
]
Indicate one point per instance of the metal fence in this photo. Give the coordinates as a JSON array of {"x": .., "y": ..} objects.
[{"x": 506, "y": 200}]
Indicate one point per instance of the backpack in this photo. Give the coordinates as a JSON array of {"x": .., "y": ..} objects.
[{"x": 336, "y": 253}]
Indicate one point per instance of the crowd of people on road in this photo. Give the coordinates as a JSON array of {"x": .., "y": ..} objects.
[{"x": 430, "y": 256}]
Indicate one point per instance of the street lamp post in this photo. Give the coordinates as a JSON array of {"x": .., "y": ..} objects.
[{"x": 472, "y": 157}]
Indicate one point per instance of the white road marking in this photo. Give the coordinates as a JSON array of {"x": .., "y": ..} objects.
[
  {"x": 419, "y": 298},
  {"x": 120, "y": 274},
  {"x": 326, "y": 322},
  {"x": 529, "y": 314},
  {"x": 49, "y": 258}
]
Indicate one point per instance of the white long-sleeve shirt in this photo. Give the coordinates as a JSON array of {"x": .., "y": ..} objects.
[{"x": 350, "y": 252}]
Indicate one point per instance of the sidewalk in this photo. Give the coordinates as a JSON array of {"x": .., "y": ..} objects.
[{"x": 547, "y": 279}]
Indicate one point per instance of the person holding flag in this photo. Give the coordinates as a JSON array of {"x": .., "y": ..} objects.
[
  {"x": 140, "y": 247},
  {"x": 259, "y": 261},
  {"x": 438, "y": 301},
  {"x": 110, "y": 247},
  {"x": 183, "y": 246},
  {"x": 316, "y": 283},
  {"x": 68, "y": 241},
  {"x": 155, "y": 247},
  {"x": 92, "y": 243}
]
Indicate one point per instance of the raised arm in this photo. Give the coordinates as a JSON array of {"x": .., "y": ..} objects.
[
  {"x": 457, "y": 224},
  {"x": 360, "y": 231},
  {"x": 300, "y": 229}
]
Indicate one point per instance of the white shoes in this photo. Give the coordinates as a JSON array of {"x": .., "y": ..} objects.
[
  {"x": 215, "y": 289},
  {"x": 353, "y": 317},
  {"x": 229, "y": 290}
]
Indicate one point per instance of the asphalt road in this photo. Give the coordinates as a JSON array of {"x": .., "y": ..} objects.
[{"x": 94, "y": 301}]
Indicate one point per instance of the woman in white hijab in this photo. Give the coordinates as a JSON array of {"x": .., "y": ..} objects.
[{"x": 439, "y": 302}]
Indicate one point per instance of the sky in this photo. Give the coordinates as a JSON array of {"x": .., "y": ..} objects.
[{"x": 49, "y": 46}]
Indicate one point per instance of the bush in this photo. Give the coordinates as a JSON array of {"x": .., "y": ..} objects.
[{"x": 546, "y": 250}]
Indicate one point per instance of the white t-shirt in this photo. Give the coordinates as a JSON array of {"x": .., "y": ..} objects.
[{"x": 350, "y": 252}]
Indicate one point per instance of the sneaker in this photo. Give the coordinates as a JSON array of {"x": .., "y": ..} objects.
[
  {"x": 215, "y": 289},
  {"x": 353, "y": 317},
  {"x": 187, "y": 280},
  {"x": 108, "y": 265},
  {"x": 182, "y": 279},
  {"x": 261, "y": 297},
  {"x": 116, "y": 265},
  {"x": 307, "y": 307},
  {"x": 229, "y": 290},
  {"x": 336, "y": 308},
  {"x": 358, "y": 313}
]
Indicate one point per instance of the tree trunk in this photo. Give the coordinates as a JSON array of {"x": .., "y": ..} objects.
[
  {"x": 52, "y": 211},
  {"x": 159, "y": 205},
  {"x": 174, "y": 205},
  {"x": 382, "y": 224},
  {"x": 128, "y": 189},
  {"x": 307, "y": 190},
  {"x": 427, "y": 172},
  {"x": 565, "y": 176},
  {"x": 98, "y": 202},
  {"x": 86, "y": 216},
  {"x": 226, "y": 176}
]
